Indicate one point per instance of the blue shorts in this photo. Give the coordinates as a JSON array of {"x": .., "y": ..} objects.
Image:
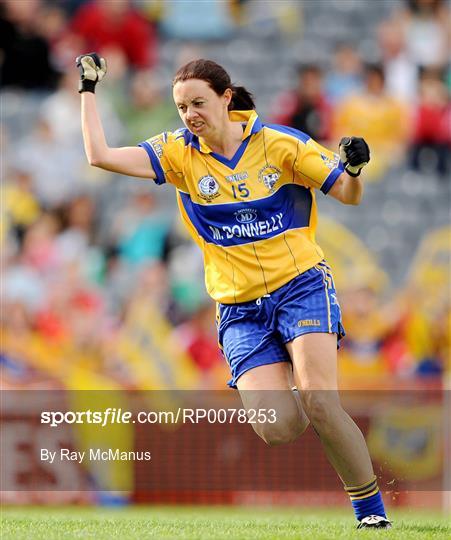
[{"x": 254, "y": 333}]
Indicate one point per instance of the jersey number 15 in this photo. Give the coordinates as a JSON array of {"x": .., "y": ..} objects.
[{"x": 243, "y": 191}]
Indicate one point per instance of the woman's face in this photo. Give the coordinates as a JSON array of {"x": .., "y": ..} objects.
[{"x": 200, "y": 108}]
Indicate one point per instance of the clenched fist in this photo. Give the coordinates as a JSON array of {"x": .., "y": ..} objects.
[
  {"x": 354, "y": 153},
  {"x": 92, "y": 70}
]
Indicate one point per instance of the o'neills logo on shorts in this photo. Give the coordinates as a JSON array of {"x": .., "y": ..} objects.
[{"x": 309, "y": 322}]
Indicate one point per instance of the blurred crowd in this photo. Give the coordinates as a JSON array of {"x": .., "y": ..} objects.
[
  {"x": 100, "y": 285},
  {"x": 399, "y": 102}
]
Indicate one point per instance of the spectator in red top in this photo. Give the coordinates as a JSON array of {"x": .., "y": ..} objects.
[
  {"x": 306, "y": 107},
  {"x": 432, "y": 132},
  {"x": 107, "y": 24}
]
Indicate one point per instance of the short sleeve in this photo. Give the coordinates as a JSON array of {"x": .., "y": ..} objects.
[
  {"x": 317, "y": 167},
  {"x": 166, "y": 152}
]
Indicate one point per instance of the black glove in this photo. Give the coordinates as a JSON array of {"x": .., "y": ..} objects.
[
  {"x": 354, "y": 153},
  {"x": 92, "y": 70}
]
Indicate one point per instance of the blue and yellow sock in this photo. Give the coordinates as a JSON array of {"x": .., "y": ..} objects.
[{"x": 366, "y": 499}]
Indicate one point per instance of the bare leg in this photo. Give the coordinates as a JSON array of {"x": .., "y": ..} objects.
[
  {"x": 314, "y": 359},
  {"x": 270, "y": 387}
]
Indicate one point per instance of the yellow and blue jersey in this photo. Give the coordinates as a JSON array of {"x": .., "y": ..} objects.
[{"x": 254, "y": 216}]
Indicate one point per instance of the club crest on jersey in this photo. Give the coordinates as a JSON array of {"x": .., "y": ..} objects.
[
  {"x": 331, "y": 163},
  {"x": 269, "y": 176},
  {"x": 208, "y": 187},
  {"x": 246, "y": 215}
]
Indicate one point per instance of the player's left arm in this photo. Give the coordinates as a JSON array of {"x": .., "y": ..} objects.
[
  {"x": 354, "y": 154},
  {"x": 347, "y": 189}
]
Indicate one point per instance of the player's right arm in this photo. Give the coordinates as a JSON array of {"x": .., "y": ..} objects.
[{"x": 129, "y": 160}]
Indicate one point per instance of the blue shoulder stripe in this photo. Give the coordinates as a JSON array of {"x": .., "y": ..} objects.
[
  {"x": 334, "y": 174},
  {"x": 188, "y": 137},
  {"x": 289, "y": 131},
  {"x": 155, "y": 162}
]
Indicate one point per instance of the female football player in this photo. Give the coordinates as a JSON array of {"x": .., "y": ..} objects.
[{"x": 246, "y": 193}]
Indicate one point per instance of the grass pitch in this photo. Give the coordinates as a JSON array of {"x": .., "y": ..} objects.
[{"x": 209, "y": 523}]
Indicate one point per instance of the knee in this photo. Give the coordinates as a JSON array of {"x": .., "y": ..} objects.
[
  {"x": 323, "y": 410},
  {"x": 283, "y": 431}
]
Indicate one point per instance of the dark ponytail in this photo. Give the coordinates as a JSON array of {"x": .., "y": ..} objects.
[
  {"x": 242, "y": 99},
  {"x": 218, "y": 79}
]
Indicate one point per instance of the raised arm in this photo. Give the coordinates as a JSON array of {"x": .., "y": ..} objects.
[
  {"x": 355, "y": 154},
  {"x": 129, "y": 160}
]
